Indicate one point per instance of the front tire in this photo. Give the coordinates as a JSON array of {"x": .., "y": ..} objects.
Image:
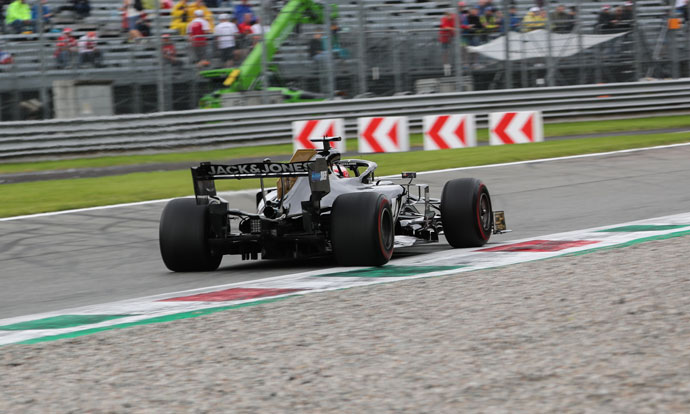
[
  {"x": 466, "y": 212},
  {"x": 362, "y": 229},
  {"x": 183, "y": 234}
]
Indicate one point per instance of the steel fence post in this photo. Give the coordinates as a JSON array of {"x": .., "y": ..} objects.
[
  {"x": 397, "y": 84},
  {"x": 580, "y": 49},
  {"x": 673, "y": 42},
  {"x": 550, "y": 81},
  {"x": 264, "y": 57},
  {"x": 361, "y": 48},
  {"x": 45, "y": 101},
  {"x": 159, "y": 56},
  {"x": 523, "y": 64},
  {"x": 136, "y": 87},
  {"x": 687, "y": 41},
  {"x": 506, "y": 32},
  {"x": 637, "y": 43},
  {"x": 329, "y": 50},
  {"x": 457, "y": 41}
]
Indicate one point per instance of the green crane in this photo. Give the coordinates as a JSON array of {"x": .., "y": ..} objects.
[{"x": 246, "y": 77}]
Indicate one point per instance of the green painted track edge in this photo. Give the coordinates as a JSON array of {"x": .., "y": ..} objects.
[
  {"x": 631, "y": 243},
  {"x": 158, "y": 319},
  {"x": 201, "y": 312}
]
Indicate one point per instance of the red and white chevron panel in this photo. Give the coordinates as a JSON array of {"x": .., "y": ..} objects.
[
  {"x": 515, "y": 127},
  {"x": 383, "y": 134},
  {"x": 449, "y": 131},
  {"x": 303, "y": 131}
]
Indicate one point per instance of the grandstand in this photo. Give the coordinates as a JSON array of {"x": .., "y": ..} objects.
[{"x": 401, "y": 47}]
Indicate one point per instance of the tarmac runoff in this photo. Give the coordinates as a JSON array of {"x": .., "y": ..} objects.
[{"x": 87, "y": 320}]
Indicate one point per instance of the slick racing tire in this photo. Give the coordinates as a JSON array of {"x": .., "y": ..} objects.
[
  {"x": 183, "y": 234},
  {"x": 362, "y": 229},
  {"x": 466, "y": 212}
]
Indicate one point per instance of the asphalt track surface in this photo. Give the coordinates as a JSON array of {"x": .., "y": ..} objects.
[{"x": 61, "y": 261}]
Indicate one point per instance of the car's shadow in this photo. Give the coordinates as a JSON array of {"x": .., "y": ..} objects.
[{"x": 322, "y": 261}]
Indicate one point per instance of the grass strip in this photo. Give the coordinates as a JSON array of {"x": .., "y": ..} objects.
[
  {"x": 55, "y": 195},
  {"x": 550, "y": 130}
]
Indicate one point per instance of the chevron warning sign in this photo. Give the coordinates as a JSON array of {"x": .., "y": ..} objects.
[
  {"x": 383, "y": 134},
  {"x": 449, "y": 131},
  {"x": 515, "y": 127},
  {"x": 303, "y": 131}
]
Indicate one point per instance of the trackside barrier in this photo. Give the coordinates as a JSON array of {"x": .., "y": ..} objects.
[
  {"x": 304, "y": 131},
  {"x": 383, "y": 134},
  {"x": 515, "y": 127},
  {"x": 449, "y": 131},
  {"x": 238, "y": 126}
]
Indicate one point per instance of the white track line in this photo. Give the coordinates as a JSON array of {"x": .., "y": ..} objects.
[{"x": 506, "y": 164}]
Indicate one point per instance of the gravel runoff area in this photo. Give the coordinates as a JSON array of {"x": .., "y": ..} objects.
[{"x": 606, "y": 332}]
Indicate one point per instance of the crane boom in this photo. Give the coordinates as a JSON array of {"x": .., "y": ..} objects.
[{"x": 246, "y": 76}]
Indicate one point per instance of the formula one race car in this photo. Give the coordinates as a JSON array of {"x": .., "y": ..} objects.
[{"x": 321, "y": 205}]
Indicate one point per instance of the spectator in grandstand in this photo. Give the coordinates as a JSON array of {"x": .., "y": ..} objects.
[
  {"x": 561, "y": 20},
  {"x": 626, "y": 21},
  {"x": 533, "y": 20},
  {"x": 82, "y": 8},
  {"x": 88, "y": 50},
  {"x": 180, "y": 17},
  {"x": 18, "y": 17},
  {"x": 5, "y": 57},
  {"x": 199, "y": 5},
  {"x": 143, "y": 25},
  {"x": 445, "y": 36},
  {"x": 197, "y": 30},
  {"x": 131, "y": 10},
  {"x": 491, "y": 25},
  {"x": 45, "y": 12},
  {"x": 617, "y": 23},
  {"x": 515, "y": 20},
  {"x": 225, "y": 40},
  {"x": 212, "y": 3},
  {"x": 169, "y": 51},
  {"x": 258, "y": 31},
  {"x": 604, "y": 20},
  {"x": 499, "y": 20},
  {"x": 483, "y": 6},
  {"x": 241, "y": 11},
  {"x": 65, "y": 48},
  {"x": 474, "y": 27},
  {"x": 245, "y": 25},
  {"x": 316, "y": 49}
]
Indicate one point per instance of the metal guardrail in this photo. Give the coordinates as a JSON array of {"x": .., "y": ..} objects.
[{"x": 240, "y": 126}]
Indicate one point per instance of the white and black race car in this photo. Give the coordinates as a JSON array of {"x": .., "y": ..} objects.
[{"x": 321, "y": 205}]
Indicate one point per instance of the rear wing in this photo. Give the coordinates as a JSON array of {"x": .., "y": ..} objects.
[{"x": 205, "y": 174}]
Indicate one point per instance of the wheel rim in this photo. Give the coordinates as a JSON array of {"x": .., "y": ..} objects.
[
  {"x": 386, "y": 229},
  {"x": 485, "y": 212}
]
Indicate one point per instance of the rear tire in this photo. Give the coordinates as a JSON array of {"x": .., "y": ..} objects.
[
  {"x": 362, "y": 229},
  {"x": 466, "y": 212},
  {"x": 183, "y": 234}
]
